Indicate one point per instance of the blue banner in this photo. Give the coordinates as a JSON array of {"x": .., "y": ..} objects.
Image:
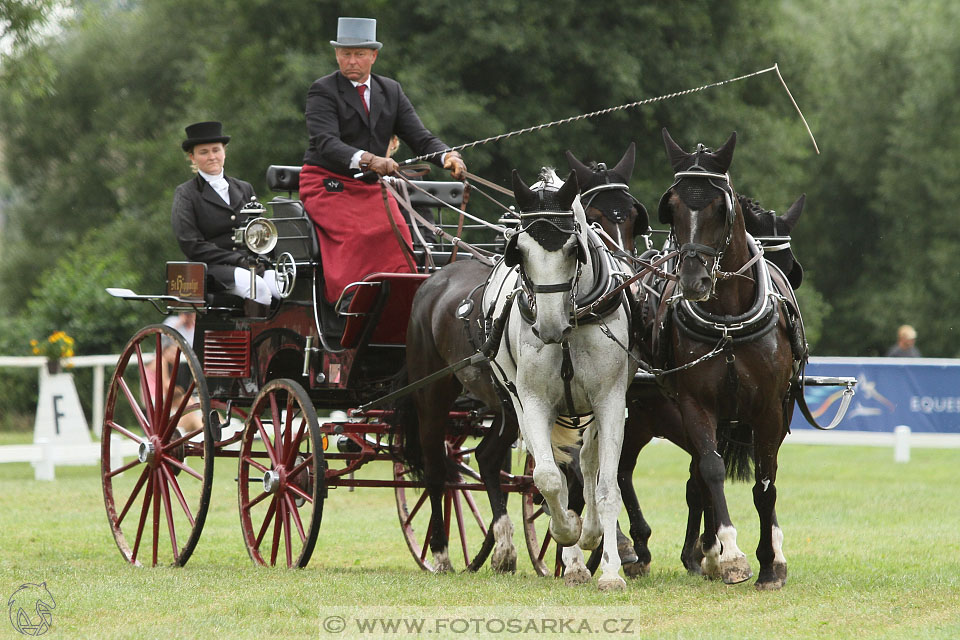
[{"x": 922, "y": 393}]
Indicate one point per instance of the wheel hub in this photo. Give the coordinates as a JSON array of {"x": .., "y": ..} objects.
[
  {"x": 271, "y": 481},
  {"x": 147, "y": 452}
]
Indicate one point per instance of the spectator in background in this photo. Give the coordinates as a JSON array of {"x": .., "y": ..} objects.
[{"x": 906, "y": 344}]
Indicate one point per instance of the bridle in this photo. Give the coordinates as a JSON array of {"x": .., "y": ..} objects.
[
  {"x": 694, "y": 250},
  {"x": 564, "y": 222},
  {"x": 587, "y": 196}
]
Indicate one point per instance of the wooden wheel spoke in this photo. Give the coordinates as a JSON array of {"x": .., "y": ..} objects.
[
  {"x": 133, "y": 494},
  {"x": 300, "y": 492},
  {"x": 255, "y": 464},
  {"x": 143, "y": 515},
  {"x": 172, "y": 480},
  {"x": 468, "y": 496},
  {"x": 277, "y": 526},
  {"x": 182, "y": 467},
  {"x": 137, "y": 409},
  {"x": 266, "y": 521},
  {"x": 126, "y": 467},
  {"x": 266, "y": 442},
  {"x": 124, "y": 432},
  {"x": 260, "y": 498},
  {"x": 288, "y": 543},
  {"x": 175, "y": 418},
  {"x": 546, "y": 544},
  {"x": 168, "y": 510},
  {"x": 300, "y": 467},
  {"x": 426, "y": 541},
  {"x": 447, "y": 513},
  {"x": 287, "y": 428},
  {"x": 461, "y": 527},
  {"x": 144, "y": 389},
  {"x": 156, "y": 519},
  {"x": 277, "y": 427},
  {"x": 295, "y": 443},
  {"x": 291, "y": 505},
  {"x": 182, "y": 439},
  {"x": 416, "y": 507},
  {"x": 536, "y": 514}
]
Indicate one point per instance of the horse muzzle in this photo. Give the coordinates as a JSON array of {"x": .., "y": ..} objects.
[{"x": 550, "y": 334}]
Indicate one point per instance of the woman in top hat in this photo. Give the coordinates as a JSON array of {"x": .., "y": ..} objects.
[{"x": 206, "y": 210}]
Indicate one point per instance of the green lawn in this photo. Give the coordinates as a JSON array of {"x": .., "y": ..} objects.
[{"x": 872, "y": 550}]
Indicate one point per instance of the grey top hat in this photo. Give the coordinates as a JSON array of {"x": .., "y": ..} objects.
[{"x": 357, "y": 32}]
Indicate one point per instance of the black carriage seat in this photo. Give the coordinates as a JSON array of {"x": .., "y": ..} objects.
[{"x": 428, "y": 206}]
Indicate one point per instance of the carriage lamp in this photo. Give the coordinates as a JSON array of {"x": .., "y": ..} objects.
[{"x": 259, "y": 235}]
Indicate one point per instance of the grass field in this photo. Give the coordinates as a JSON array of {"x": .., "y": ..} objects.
[{"x": 872, "y": 548}]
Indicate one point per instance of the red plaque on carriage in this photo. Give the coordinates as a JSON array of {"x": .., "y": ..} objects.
[{"x": 187, "y": 280}]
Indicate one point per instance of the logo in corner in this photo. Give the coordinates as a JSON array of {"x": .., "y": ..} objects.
[
  {"x": 332, "y": 185},
  {"x": 30, "y": 607}
]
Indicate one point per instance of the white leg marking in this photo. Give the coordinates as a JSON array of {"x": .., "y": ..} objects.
[{"x": 778, "y": 556}]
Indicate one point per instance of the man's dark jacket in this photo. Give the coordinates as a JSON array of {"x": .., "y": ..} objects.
[
  {"x": 203, "y": 225},
  {"x": 339, "y": 126}
]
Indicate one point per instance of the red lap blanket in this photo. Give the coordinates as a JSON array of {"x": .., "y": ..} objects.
[{"x": 356, "y": 237}]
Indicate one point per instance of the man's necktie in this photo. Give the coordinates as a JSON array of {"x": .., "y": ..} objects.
[{"x": 362, "y": 89}]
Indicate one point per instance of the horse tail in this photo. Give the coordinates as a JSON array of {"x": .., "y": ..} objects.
[
  {"x": 735, "y": 445},
  {"x": 563, "y": 439},
  {"x": 405, "y": 435}
]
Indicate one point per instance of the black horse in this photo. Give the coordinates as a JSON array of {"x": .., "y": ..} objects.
[{"x": 732, "y": 335}]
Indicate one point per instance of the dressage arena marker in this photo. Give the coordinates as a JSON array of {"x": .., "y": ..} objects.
[{"x": 629, "y": 105}]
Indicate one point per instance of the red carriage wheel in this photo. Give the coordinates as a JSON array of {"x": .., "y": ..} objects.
[
  {"x": 466, "y": 511},
  {"x": 156, "y": 455},
  {"x": 281, "y": 482}
]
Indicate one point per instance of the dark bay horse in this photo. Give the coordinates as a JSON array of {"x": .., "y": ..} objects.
[
  {"x": 729, "y": 328},
  {"x": 652, "y": 414}
]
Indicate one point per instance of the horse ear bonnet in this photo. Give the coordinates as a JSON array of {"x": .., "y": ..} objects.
[{"x": 695, "y": 193}]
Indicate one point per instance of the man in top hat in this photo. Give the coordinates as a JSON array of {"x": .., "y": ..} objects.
[
  {"x": 351, "y": 115},
  {"x": 206, "y": 210}
]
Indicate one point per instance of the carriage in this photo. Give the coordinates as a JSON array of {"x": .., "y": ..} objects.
[
  {"x": 278, "y": 389},
  {"x": 254, "y": 382}
]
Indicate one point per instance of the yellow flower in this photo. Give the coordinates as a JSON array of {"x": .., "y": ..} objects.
[{"x": 58, "y": 345}]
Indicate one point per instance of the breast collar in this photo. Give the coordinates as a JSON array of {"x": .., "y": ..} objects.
[{"x": 759, "y": 320}]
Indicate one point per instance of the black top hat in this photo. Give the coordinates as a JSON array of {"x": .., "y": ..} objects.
[{"x": 204, "y": 132}]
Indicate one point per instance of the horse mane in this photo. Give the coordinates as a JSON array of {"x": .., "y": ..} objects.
[{"x": 752, "y": 206}]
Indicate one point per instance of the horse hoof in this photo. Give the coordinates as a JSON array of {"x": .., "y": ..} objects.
[
  {"x": 611, "y": 584},
  {"x": 577, "y": 576},
  {"x": 569, "y": 538},
  {"x": 588, "y": 542},
  {"x": 780, "y": 570},
  {"x": 636, "y": 569},
  {"x": 627, "y": 553},
  {"x": 441, "y": 563},
  {"x": 736, "y": 571},
  {"x": 773, "y": 585},
  {"x": 504, "y": 560},
  {"x": 710, "y": 568}
]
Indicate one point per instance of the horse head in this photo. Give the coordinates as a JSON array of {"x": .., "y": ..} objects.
[
  {"x": 761, "y": 223},
  {"x": 701, "y": 209},
  {"x": 606, "y": 198},
  {"x": 550, "y": 249}
]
